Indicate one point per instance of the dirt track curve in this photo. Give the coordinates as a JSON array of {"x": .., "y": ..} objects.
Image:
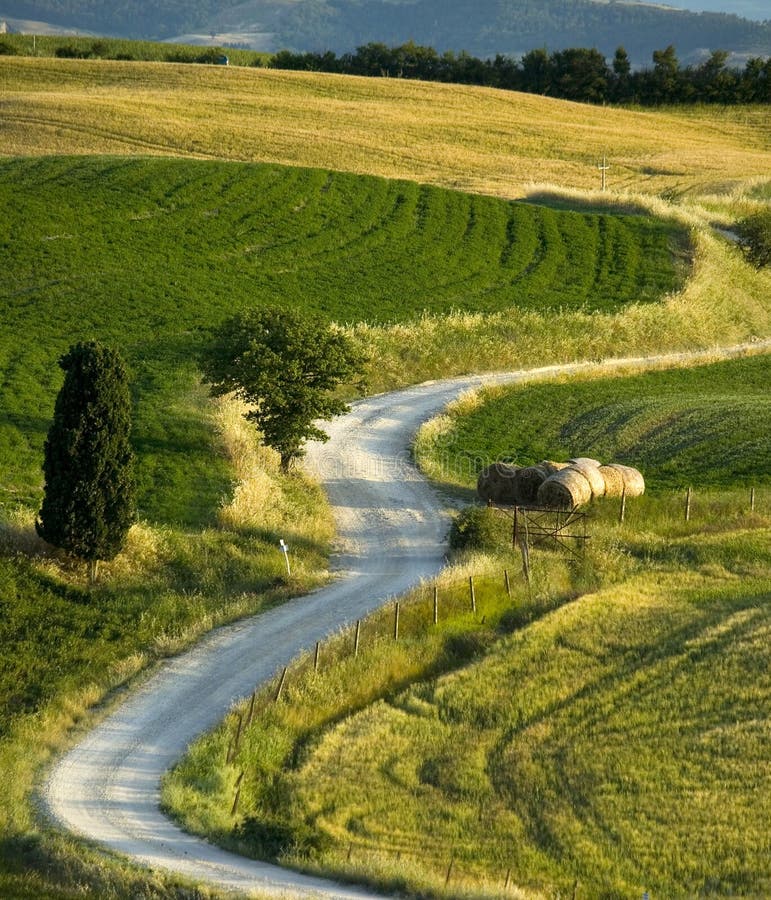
[{"x": 391, "y": 525}]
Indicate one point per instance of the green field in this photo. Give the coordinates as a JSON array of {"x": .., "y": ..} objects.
[
  {"x": 706, "y": 427},
  {"x": 605, "y": 732},
  {"x": 150, "y": 253},
  {"x": 67, "y": 646}
]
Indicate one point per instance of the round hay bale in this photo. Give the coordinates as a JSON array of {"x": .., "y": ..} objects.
[
  {"x": 565, "y": 489},
  {"x": 614, "y": 481},
  {"x": 496, "y": 483},
  {"x": 585, "y": 461},
  {"x": 550, "y": 467},
  {"x": 526, "y": 483},
  {"x": 634, "y": 483},
  {"x": 592, "y": 474}
]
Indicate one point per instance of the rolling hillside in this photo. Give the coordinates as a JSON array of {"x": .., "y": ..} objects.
[
  {"x": 595, "y": 731},
  {"x": 394, "y": 260},
  {"x": 476, "y": 139}
]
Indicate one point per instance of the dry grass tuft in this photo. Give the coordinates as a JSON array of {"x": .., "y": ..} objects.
[
  {"x": 262, "y": 497},
  {"x": 257, "y": 497}
]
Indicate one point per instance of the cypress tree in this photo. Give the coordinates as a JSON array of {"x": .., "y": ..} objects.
[{"x": 89, "y": 499}]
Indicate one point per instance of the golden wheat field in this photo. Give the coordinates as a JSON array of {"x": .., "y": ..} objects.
[{"x": 476, "y": 139}]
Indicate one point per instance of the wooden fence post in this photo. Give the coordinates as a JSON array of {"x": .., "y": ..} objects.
[
  {"x": 250, "y": 715},
  {"x": 436, "y": 605},
  {"x": 281, "y": 685},
  {"x": 506, "y": 583},
  {"x": 525, "y": 560},
  {"x": 449, "y": 871},
  {"x": 472, "y": 593},
  {"x": 752, "y": 499},
  {"x": 356, "y": 639},
  {"x": 622, "y": 510},
  {"x": 396, "y": 621},
  {"x": 237, "y": 738},
  {"x": 234, "y": 808},
  {"x": 688, "y": 496},
  {"x": 316, "y": 656}
]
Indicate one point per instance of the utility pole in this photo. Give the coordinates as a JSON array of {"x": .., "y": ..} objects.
[{"x": 603, "y": 169}]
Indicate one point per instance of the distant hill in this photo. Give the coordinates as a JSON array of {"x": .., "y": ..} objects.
[
  {"x": 749, "y": 9},
  {"x": 484, "y": 28}
]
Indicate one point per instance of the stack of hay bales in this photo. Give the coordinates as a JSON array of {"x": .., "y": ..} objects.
[
  {"x": 497, "y": 483},
  {"x": 586, "y": 479},
  {"x": 558, "y": 485}
]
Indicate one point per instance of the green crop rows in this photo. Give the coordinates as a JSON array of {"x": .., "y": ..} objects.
[{"x": 148, "y": 254}]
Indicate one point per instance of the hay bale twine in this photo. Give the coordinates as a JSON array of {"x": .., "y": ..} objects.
[
  {"x": 496, "y": 483},
  {"x": 565, "y": 489},
  {"x": 585, "y": 461},
  {"x": 614, "y": 481},
  {"x": 526, "y": 483},
  {"x": 592, "y": 474},
  {"x": 634, "y": 483}
]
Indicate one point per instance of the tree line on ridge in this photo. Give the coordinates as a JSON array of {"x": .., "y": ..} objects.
[{"x": 579, "y": 74}]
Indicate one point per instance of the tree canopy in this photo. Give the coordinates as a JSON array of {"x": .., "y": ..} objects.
[
  {"x": 286, "y": 365},
  {"x": 89, "y": 496}
]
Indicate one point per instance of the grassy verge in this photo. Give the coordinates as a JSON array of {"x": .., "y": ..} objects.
[
  {"x": 66, "y": 646},
  {"x": 606, "y": 731}
]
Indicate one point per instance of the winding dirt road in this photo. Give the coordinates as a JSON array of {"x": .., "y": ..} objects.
[{"x": 391, "y": 525}]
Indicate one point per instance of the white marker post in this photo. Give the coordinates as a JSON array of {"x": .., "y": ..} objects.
[{"x": 285, "y": 551}]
